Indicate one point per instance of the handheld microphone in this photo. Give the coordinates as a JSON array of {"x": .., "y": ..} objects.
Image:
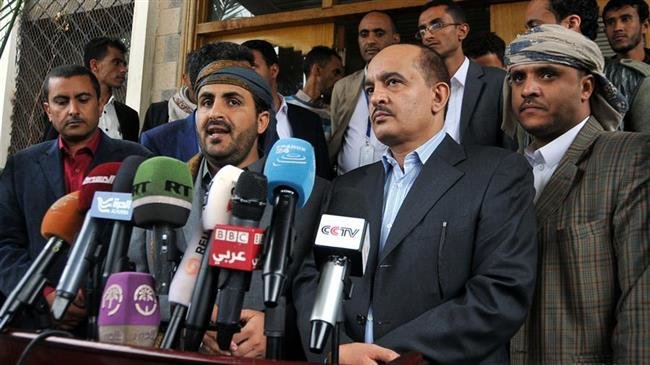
[
  {"x": 235, "y": 249},
  {"x": 129, "y": 312},
  {"x": 290, "y": 169},
  {"x": 194, "y": 270},
  {"x": 162, "y": 199},
  {"x": 116, "y": 257},
  {"x": 84, "y": 250},
  {"x": 60, "y": 224},
  {"x": 341, "y": 249}
]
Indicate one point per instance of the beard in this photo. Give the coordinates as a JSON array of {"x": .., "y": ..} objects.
[
  {"x": 237, "y": 150},
  {"x": 634, "y": 41}
]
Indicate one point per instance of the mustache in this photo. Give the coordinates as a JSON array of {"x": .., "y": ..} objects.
[
  {"x": 219, "y": 123},
  {"x": 530, "y": 102},
  {"x": 75, "y": 119},
  {"x": 380, "y": 108}
]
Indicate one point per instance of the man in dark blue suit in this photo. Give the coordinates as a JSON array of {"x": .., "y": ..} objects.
[
  {"x": 36, "y": 177},
  {"x": 178, "y": 139},
  {"x": 451, "y": 266}
]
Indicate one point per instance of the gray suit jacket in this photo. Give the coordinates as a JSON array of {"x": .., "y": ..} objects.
[
  {"x": 456, "y": 294},
  {"x": 344, "y": 98}
]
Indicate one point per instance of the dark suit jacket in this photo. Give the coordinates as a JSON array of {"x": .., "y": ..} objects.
[
  {"x": 157, "y": 114},
  {"x": 175, "y": 139},
  {"x": 306, "y": 125},
  {"x": 592, "y": 301},
  {"x": 456, "y": 294},
  {"x": 481, "y": 110},
  {"x": 31, "y": 182},
  {"x": 126, "y": 117},
  {"x": 129, "y": 121}
]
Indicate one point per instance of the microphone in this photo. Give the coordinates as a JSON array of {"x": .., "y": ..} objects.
[
  {"x": 341, "y": 249},
  {"x": 194, "y": 271},
  {"x": 116, "y": 257},
  {"x": 235, "y": 249},
  {"x": 129, "y": 312},
  {"x": 162, "y": 199},
  {"x": 60, "y": 224},
  {"x": 84, "y": 250},
  {"x": 290, "y": 169}
]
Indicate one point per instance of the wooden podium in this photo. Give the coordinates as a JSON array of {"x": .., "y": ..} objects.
[{"x": 67, "y": 351}]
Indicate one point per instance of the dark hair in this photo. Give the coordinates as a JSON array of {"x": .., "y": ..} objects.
[
  {"x": 431, "y": 66},
  {"x": 66, "y": 72},
  {"x": 453, "y": 9},
  {"x": 211, "y": 52},
  {"x": 478, "y": 44},
  {"x": 320, "y": 55},
  {"x": 640, "y": 6},
  {"x": 265, "y": 48},
  {"x": 587, "y": 10},
  {"x": 97, "y": 48}
]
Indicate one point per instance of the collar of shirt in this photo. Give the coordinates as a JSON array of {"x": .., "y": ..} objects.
[
  {"x": 461, "y": 74},
  {"x": 301, "y": 95},
  {"x": 551, "y": 154},
  {"x": 420, "y": 154},
  {"x": 110, "y": 101},
  {"x": 283, "y": 128},
  {"x": 91, "y": 145}
]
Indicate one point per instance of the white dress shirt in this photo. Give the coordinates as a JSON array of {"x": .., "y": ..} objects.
[
  {"x": 545, "y": 160},
  {"x": 108, "y": 122},
  {"x": 452, "y": 118},
  {"x": 356, "y": 136},
  {"x": 282, "y": 118}
]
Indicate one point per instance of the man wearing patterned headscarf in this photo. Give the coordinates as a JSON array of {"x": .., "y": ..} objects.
[{"x": 592, "y": 189}]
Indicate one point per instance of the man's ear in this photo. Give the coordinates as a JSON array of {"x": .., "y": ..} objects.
[
  {"x": 93, "y": 65},
  {"x": 463, "y": 31},
  {"x": 46, "y": 107},
  {"x": 588, "y": 84},
  {"x": 275, "y": 70},
  {"x": 572, "y": 22},
  {"x": 263, "y": 120},
  {"x": 439, "y": 96}
]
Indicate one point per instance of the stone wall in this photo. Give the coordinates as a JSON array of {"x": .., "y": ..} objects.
[{"x": 167, "y": 55}]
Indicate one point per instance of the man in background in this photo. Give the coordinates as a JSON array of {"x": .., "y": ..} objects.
[
  {"x": 353, "y": 142},
  {"x": 323, "y": 67}
]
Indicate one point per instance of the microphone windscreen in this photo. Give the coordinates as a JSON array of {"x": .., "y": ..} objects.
[
  {"x": 99, "y": 179},
  {"x": 249, "y": 197},
  {"x": 162, "y": 193},
  {"x": 291, "y": 164},
  {"x": 348, "y": 202},
  {"x": 63, "y": 219},
  {"x": 217, "y": 209},
  {"x": 129, "y": 312},
  {"x": 124, "y": 179}
]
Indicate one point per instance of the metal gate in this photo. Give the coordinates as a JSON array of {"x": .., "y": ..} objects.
[{"x": 53, "y": 33}]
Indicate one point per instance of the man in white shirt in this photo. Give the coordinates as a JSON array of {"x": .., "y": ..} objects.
[
  {"x": 474, "y": 112},
  {"x": 323, "y": 67},
  {"x": 353, "y": 142},
  {"x": 290, "y": 120},
  {"x": 105, "y": 57}
]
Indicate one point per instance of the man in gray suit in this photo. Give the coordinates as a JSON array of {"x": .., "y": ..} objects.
[
  {"x": 353, "y": 143},
  {"x": 474, "y": 111},
  {"x": 455, "y": 302}
]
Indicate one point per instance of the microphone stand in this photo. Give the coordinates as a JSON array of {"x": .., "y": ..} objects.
[{"x": 274, "y": 328}]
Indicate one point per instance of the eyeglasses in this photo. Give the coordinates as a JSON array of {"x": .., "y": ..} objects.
[{"x": 432, "y": 28}]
